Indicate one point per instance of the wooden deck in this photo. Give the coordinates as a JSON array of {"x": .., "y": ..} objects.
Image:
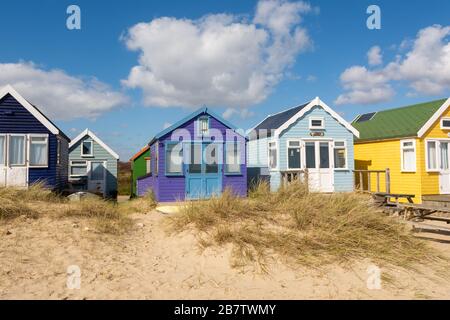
[{"x": 436, "y": 200}]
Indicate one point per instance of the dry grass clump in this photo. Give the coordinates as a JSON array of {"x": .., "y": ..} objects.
[
  {"x": 36, "y": 192},
  {"x": 304, "y": 228},
  {"x": 106, "y": 216},
  {"x": 143, "y": 204},
  {"x": 10, "y": 209}
]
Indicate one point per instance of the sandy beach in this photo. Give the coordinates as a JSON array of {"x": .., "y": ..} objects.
[{"x": 149, "y": 263}]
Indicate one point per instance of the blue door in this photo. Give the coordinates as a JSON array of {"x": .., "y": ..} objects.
[{"x": 203, "y": 170}]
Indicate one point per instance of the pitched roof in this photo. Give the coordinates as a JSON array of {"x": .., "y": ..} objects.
[
  {"x": 397, "y": 123},
  {"x": 274, "y": 121},
  {"x": 89, "y": 133},
  {"x": 190, "y": 117},
  {"x": 283, "y": 120},
  {"x": 33, "y": 110},
  {"x": 144, "y": 149}
]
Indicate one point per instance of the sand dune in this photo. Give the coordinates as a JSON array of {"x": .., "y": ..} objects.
[{"x": 150, "y": 264}]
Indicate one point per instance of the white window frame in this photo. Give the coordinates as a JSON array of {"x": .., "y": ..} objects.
[
  {"x": 78, "y": 165},
  {"x": 311, "y": 119},
  {"x": 402, "y": 148},
  {"x": 92, "y": 148},
  {"x": 199, "y": 126},
  {"x": 5, "y": 148},
  {"x": 277, "y": 155},
  {"x": 438, "y": 164},
  {"x": 442, "y": 123},
  {"x": 30, "y": 137},
  {"x": 24, "y": 164},
  {"x": 301, "y": 154},
  {"x": 346, "y": 154}
]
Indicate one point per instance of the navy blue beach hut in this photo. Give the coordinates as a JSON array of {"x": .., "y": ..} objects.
[{"x": 32, "y": 148}]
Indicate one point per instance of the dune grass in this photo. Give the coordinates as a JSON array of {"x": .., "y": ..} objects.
[
  {"x": 143, "y": 204},
  {"x": 36, "y": 201},
  {"x": 301, "y": 227}
]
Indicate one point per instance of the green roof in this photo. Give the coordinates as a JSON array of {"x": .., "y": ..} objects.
[{"x": 397, "y": 123}]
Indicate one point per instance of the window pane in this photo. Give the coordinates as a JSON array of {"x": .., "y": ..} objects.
[
  {"x": 232, "y": 158},
  {"x": 294, "y": 161},
  {"x": 294, "y": 143},
  {"x": 97, "y": 171},
  {"x": 408, "y": 144},
  {"x": 174, "y": 158},
  {"x": 38, "y": 151},
  {"x": 444, "y": 155},
  {"x": 324, "y": 155},
  {"x": 310, "y": 150},
  {"x": 148, "y": 165},
  {"x": 339, "y": 144},
  {"x": 17, "y": 150},
  {"x": 339, "y": 158},
  {"x": 446, "y": 123},
  {"x": 195, "y": 163},
  {"x": 316, "y": 123},
  {"x": 211, "y": 158},
  {"x": 79, "y": 163},
  {"x": 2, "y": 150},
  {"x": 431, "y": 146},
  {"x": 78, "y": 171},
  {"x": 87, "y": 148},
  {"x": 272, "y": 157},
  {"x": 408, "y": 160}
]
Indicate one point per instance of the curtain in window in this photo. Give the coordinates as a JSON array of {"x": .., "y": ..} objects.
[
  {"x": 38, "y": 152},
  {"x": 408, "y": 159},
  {"x": 174, "y": 158},
  {"x": 431, "y": 146},
  {"x": 272, "y": 156},
  {"x": 444, "y": 155},
  {"x": 17, "y": 150},
  {"x": 339, "y": 158},
  {"x": 2, "y": 150}
]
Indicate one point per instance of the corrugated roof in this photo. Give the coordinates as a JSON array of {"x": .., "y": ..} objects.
[
  {"x": 277, "y": 120},
  {"x": 397, "y": 123}
]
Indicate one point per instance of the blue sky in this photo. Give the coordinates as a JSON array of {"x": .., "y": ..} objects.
[{"x": 36, "y": 43}]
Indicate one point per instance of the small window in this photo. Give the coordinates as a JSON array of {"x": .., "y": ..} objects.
[
  {"x": 156, "y": 158},
  {"x": 2, "y": 150},
  {"x": 203, "y": 126},
  {"x": 408, "y": 155},
  {"x": 87, "y": 149},
  {"x": 78, "y": 168},
  {"x": 38, "y": 151},
  {"x": 174, "y": 159},
  {"x": 232, "y": 158},
  {"x": 445, "y": 123},
  {"x": 273, "y": 163},
  {"x": 310, "y": 152},
  {"x": 340, "y": 155},
  {"x": 148, "y": 166},
  {"x": 294, "y": 159},
  {"x": 316, "y": 123},
  {"x": 432, "y": 156}
]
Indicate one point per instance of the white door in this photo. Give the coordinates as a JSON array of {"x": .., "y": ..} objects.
[
  {"x": 319, "y": 162},
  {"x": 444, "y": 172},
  {"x": 97, "y": 177},
  {"x": 16, "y": 169}
]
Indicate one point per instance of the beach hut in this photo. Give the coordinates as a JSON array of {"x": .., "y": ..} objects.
[
  {"x": 93, "y": 165},
  {"x": 32, "y": 148},
  {"x": 413, "y": 142},
  {"x": 196, "y": 158},
  {"x": 308, "y": 140},
  {"x": 140, "y": 166}
]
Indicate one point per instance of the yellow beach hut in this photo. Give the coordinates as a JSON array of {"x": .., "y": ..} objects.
[{"x": 413, "y": 142}]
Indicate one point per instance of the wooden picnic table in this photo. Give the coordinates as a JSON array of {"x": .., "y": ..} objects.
[{"x": 396, "y": 196}]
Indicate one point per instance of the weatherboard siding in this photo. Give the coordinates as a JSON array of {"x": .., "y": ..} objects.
[
  {"x": 14, "y": 118},
  {"x": 100, "y": 154}
]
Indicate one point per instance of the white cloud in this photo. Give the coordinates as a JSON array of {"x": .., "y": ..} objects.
[
  {"x": 243, "y": 113},
  {"x": 425, "y": 69},
  {"x": 166, "y": 125},
  {"x": 217, "y": 60},
  {"x": 59, "y": 95},
  {"x": 374, "y": 56}
]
